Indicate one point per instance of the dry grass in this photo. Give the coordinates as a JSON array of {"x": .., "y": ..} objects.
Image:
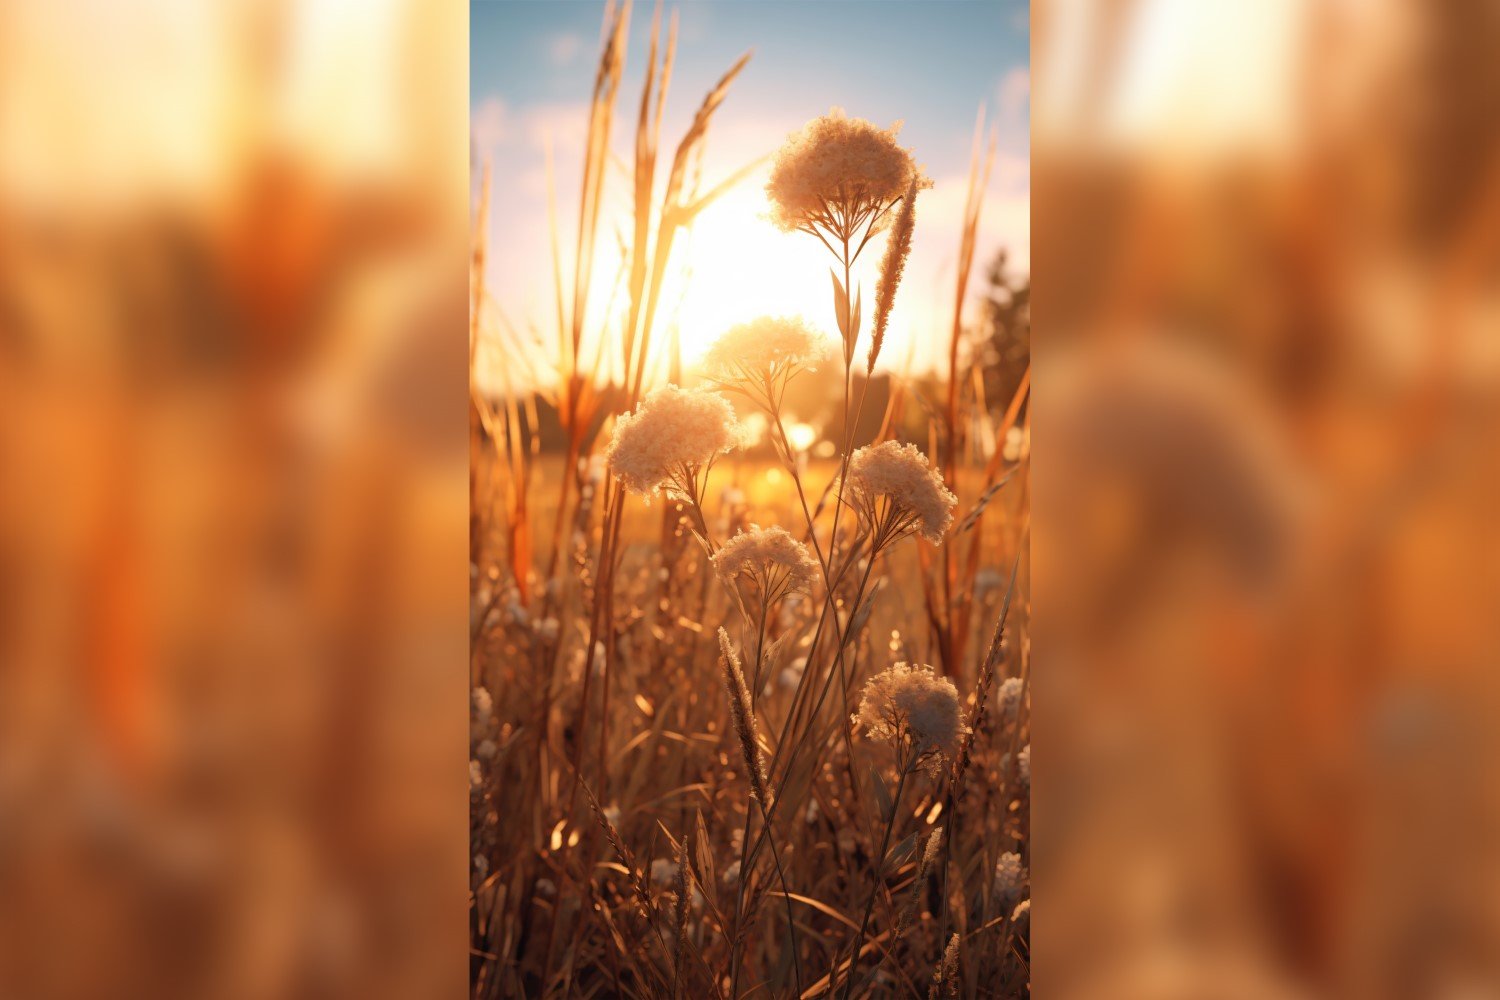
[{"x": 618, "y": 850}]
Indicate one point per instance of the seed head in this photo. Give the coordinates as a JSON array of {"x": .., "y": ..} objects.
[
  {"x": 945, "y": 978},
  {"x": 838, "y": 172},
  {"x": 1010, "y": 878},
  {"x": 897, "y": 249},
  {"x": 924, "y": 868},
  {"x": 767, "y": 350},
  {"x": 671, "y": 435},
  {"x": 917, "y": 709},
  {"x": 896, "y": 491},
  {"x": 1010, "y": 697},
  {"x": 772, "y": 558},
  {"x": 743, "y": 718}
]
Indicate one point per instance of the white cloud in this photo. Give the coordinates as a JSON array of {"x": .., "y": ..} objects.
[
  {"x": 490, "y": 125},
  {"x": 564, "y": 48},
  {"x": 1013, "y": 92},
  {"x": 1010, "y": 173}
]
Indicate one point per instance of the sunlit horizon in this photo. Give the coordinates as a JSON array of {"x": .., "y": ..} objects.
[{"x": 733, "y": 265}]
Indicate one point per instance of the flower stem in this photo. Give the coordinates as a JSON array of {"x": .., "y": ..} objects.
[
  {"x": 739, "y": 899},
  {"x": 791, "y": 924},
  {"x": 885, "y": 840}
]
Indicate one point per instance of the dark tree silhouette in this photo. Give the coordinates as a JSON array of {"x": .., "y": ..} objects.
[{"x": 1003, "y": 341}]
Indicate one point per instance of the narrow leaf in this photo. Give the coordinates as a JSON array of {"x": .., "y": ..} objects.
[
  {"x": 862, "y": 614},
  {"x": 881, "y": 792},
  {"x": 705, "y": 857},
  {"x": 840, "y": 304},
  {"x": 900, "y": 851}
]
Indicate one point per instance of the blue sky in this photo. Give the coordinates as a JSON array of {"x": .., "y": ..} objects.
[
  {"x": 929, "y": 63},
  {"x": 932, "y": 59}
]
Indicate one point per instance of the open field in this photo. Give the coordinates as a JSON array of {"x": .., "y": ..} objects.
[
  {"x": 749, "y": 638},
  {"x": 556, "y": 901}
]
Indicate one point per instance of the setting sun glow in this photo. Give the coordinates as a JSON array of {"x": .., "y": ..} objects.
[{"x": 741, "y": 266}]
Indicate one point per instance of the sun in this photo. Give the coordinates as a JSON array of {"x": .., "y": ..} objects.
[{"x": 734, "y": 266}]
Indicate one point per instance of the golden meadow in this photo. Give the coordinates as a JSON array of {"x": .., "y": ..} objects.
[{"x": 750, "y": 700}]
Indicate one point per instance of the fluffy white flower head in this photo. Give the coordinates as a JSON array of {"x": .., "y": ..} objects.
[
  {"x": 767, "y": 350},
  {"x": 671, "y": 435},
  {"x": 1010, "y": 877},
  {"x": 663, "y": 871},
  {"x": 839, "y": 173},
  {"x": 1010, "y": 697},
  {"x": 917, "y": 709},
  {"x": 897, "y": 491},
  {"x": 776, "y": 561}
]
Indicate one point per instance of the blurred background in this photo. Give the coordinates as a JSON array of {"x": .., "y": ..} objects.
[
  {"x": 1266, "y": 238},
  {"x": 233, "y": 269},
  {"x": 233, "y": 252}
]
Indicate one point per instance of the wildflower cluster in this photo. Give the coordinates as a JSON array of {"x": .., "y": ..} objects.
[
  {"x": 1011, "y": 693},
  {"x": 770, "y": 558},
  {"x": 839, "y": 176},
  {"x": 1010, "y": 878},
  {"x": 673, "y": 435},
  {"x": 895, "y": 491},
  {"x": 915, "y": 708},
  {"x": 764, "y": 354}
]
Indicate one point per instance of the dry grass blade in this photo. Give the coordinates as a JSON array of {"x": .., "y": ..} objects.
[
  {"x": 687, "y": 213},
  {"x": 645, "y": 295},
  {"x": 924, "y": 868},
  {"x": 982, "y": 691},
  {"x": 892, "y": 265},
  {"x": 699, "y": 128},
  {"x": 642, "y": 894},
  {"x": 704, "y": 859},
  {"x": 977, "y": 511},
  {"x": 874, "y": 943},
  {"x": 647, "y": 135},
  {"x": 601, "y": 118},
  {"x": 973, "y": 204},
  {"x": 680, "y": 914},
  {"x": 945, "y": 978}
]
